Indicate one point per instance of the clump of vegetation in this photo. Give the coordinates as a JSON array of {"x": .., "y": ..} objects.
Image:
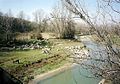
[
  {"x": 23, "y": 45},
  {"x": 69, "y": 31}
]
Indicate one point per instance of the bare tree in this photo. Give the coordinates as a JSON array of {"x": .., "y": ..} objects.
[
  {"x": 39, "y": 16},
  {"x": 7, "y": 20},
  {"x": 110, "y": 61},
  {"x": 9, "y": 13},
  {"x": 21, "y": 15},
  {"x": 62, "y": 22}
]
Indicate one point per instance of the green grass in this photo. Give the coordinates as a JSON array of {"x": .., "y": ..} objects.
[
  {"x": 30, "y": 56},
  {"x": 25, "y": 57},
  {"x": 22, "y": 54},
  {"x": 49, "y": 67}
]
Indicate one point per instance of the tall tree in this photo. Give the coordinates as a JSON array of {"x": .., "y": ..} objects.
[
  {"x": 21, "y": 15},
  {"x": 38, "y": 18},
  {"x": 62, "y": 22}
]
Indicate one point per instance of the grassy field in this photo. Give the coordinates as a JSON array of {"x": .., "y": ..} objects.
[
  {"x": 34, "y": 62},
  {"x": 24, "y": 57}
]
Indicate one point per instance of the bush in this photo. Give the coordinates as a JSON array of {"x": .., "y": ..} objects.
[
  {"x": 69, "y": 31},
  {"x": 39, "y": 37}
]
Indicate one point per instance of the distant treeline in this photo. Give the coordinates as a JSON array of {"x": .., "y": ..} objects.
[
  {"x": 10, "y": 25},
  {"x": 61, "y": 23}
]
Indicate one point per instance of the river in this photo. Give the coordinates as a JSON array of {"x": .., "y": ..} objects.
[{"x": 77, "y": 75}]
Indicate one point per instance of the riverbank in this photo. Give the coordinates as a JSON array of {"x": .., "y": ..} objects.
[
  {"x": 69, "y": 65},
  {"x": 51, "y": 73},
  {"x": 26, "y": 64}
]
